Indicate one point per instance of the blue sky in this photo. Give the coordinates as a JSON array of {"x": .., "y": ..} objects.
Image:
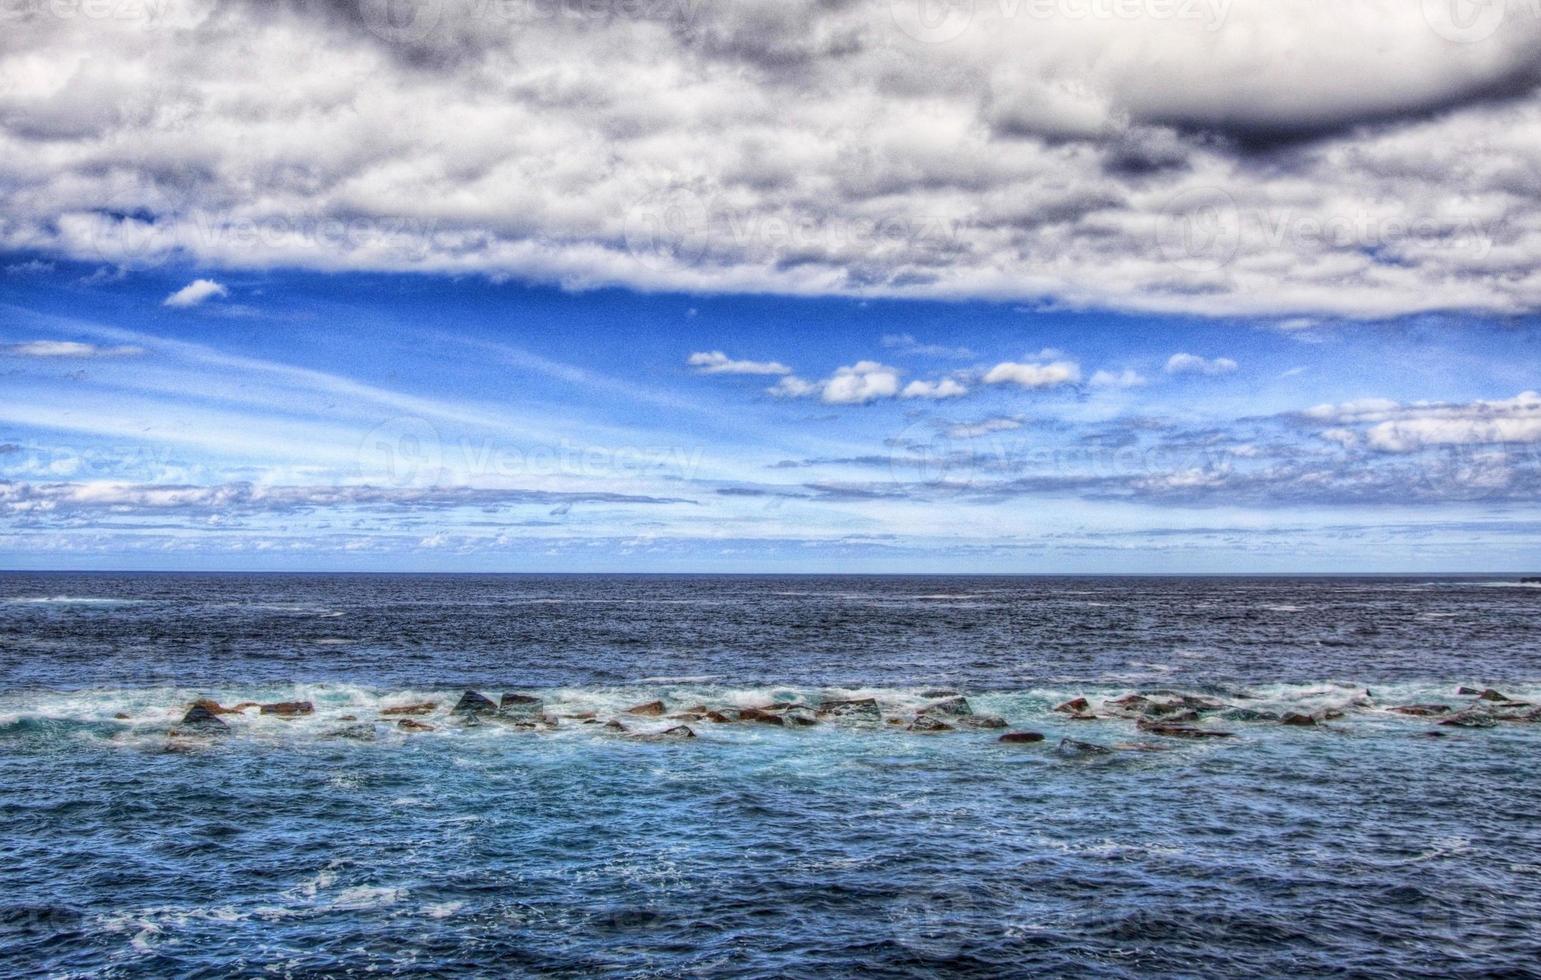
[{"x": 294, "y": 420}]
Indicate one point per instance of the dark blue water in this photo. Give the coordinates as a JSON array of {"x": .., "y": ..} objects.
[{"x": 339, "y": 844}]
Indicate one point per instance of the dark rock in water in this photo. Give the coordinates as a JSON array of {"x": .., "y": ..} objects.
[
  {"x": 1436, "y": 734},
  {"x": 1170, "y": 730},
  {"x": 121, "y": 716},
  {"x": 347, "y": 717},
  {"x": 1075, "y": 706},
  {"x": 1130, "y": 701},
  {"x": 719, "y": 717},
  {"x": 652, "y": 709},
  {"x": 940, "y": 693},
  {"x": 614, "y": 726},
  {"x": 1470, "y": 719},
  {"x": 1492, "y": 695},
  {"x": 359, "y": 733},
  {"x": 471, "y": 703},
  {"x": 520, "y": 704},
  {"x": 201, "y": 718},
  {"x": 1297, "y": 719},
  {"x": 1249, "y": 714},
  {"x": 1467, "y": 692},
  {"x": 861, "y": 709},
  {"x": 761, "y": 715},
  {"x": 982, "y": 721},
  {"x": 677, "y": 733},
  {"x": 1141, "y": 747},
  {"x": 420, "y": 708},
  {"x": 215, "y": 708},
  {"x": 926, "y": 724},
  {"x": 1021, "y": 738},
  {"x": 1421, "y": 710},
  {"x": 1074, "y": 749},
  {"x": 799, "y": 716},
  {"x": 288, "y": 709},
  {"x": 950, "y": 708},
  {"x": 1083, "y": 716},
  {"x": 408, "y": 725}
]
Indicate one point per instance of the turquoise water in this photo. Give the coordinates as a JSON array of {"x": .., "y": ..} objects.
[{"x": 319, "y": 845}]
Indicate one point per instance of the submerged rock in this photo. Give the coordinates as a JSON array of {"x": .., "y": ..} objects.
[
  {"x": 1129, "y": 701},
  {"x": 1249, "y": 714},
  {"x": 363, "y": 732},
  {"x": 471, "y": 703},
  {"x": 1170, "y": 730},
  {"x": 799, "y": 716},
  {"x": 859, "y": 709},
  {"x": 288, "y": 709},
  {"x": 652, "y": 709},
  {"x": 1075, "y": 706},
  {"x": 418, "y": 708},
  {"x": 926, "y": 724},
  {"x": 1021, "y": 738},
  {"x": 121, "y": 716},
  {"x": 614, "y": 726},
  {"x": 940, "y": 693},
  {"x": 408, "y": 725},
  {"x": 677, "y": 733},
  {"x": 1470, "y": 719},
  {"x": 720, "y": 717},
  {"x": 760, "y": 715},
  {"x": 1074, "y": 749},
  {"x": 981, "y": 721},
  {"x": 520, "y": 703},
  {"x": 1297, "y": 719},
  {"x": 200, "y": 718},
  {"x": 951, "y": 708},
  {"x": 1421, "y": 710}
]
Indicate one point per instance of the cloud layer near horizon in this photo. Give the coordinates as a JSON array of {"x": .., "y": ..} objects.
[{"x": 1220, "y": 157}]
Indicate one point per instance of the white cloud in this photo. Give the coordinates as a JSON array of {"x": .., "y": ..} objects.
[
  {"x": 984, "y": 427},
  {"x": 196, "y": 292},
  {"x": 906, "y": 343},
  {"x": 67, "y": 348},
  {"x": 1127, "y": 378},
  {"x": 716, "y": 362},
  {"x": 1049, "y": 375},
  {"x": 1194, "y": 364},
  {"x": 1393, "y": 427},
  {"x": 1032, "y": 155},
  {"x": 858, "y": 384},
  {"x": 936, "y": 390}
]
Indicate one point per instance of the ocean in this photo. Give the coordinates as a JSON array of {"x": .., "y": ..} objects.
[{"x": 1187, "y": 832}]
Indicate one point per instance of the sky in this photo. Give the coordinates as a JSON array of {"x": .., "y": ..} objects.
[{"x": 1046, "y": 286}]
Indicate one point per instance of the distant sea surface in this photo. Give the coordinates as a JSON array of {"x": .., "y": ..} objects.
[{"x": 1358, "y": 842}]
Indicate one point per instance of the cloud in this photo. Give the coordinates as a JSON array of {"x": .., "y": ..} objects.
[
  {"x": 1050, "y": 375},
  {"x": 195, "y": 293},
  {"x": 716, "y": 362},
  {"x": 1126, "y": 378},
  {"x": 1194, "y": 364},
  {"x": 1396, "y": 428},
  {"x": 984, "y": 427},
  {"x": 935, "y": 390},
  {"x": 1252, "y": 157},
  {"x": 907, "y": 344},
  {"x": 860, "y": 383},
  {"x": 67, "y": 348}
]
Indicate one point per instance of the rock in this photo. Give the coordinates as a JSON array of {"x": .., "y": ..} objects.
[
  {"x": 347, "y": 717},
  {"x": 982, "y": 721},
  {"x": 471, "y": 703},
  {"x": 580, "y": 716},
  {"x": 1075, "y": 706},
  {"x": 408, "y": 725},
  {"x": 652, "y": 709},
  {"x": 1249, "y": 714},
  {"x": 202, "y": 719},
  {"x": 1129, "y": 701},
  {"x": 288, "y": 709},
  {"x": 677, "y": 733},
  {"x": 1020, "y": 738},
  {"x": 1421, "y": 710},
  {"x": 1141, "y": 747},
  {"x": 1082, "y": 716},
  {"x": 363, "y": 732},
  {"x": 1436, "y": 734},
  {"x": 1181, "y": 731},
  {"x": 520, "y": 703},
  {"x": 418, "y": 708},
  {"x": 858, "y": 710},
  {"x": 719, "y": 717},
  {"x": 215, "y": 708},
  {"x": 951, "y": 708},
  {"x": 760, "y": 715},
  {"x": 1470, "y": 719},
  {"x": 614, "y": 726},
  {"x": 926, "y": 724},
  {"x": 799, "y": 716},
  {"x": 935, "y": 693},
  {"x": 121, "y": 716},
  {"x": 1492, "y": 695},
  {"x": 686, "y": 716},
  {"x": 1297, "y": 719},
  {"x": 1074, "y": 749}
]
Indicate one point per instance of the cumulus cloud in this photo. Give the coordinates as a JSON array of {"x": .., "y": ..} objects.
[
  {"x": 67, "y": 348},
  {"x": 935, "y": 390},
  {"x": 716, "y": 362},
  {"x": 1194, "y": 364},
  {"x": 1050, "y": 375},
  {"x": 1251, "y": 157},
  {"x": 195, "y": 293},
  {"x": 860, "y": 383}
]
